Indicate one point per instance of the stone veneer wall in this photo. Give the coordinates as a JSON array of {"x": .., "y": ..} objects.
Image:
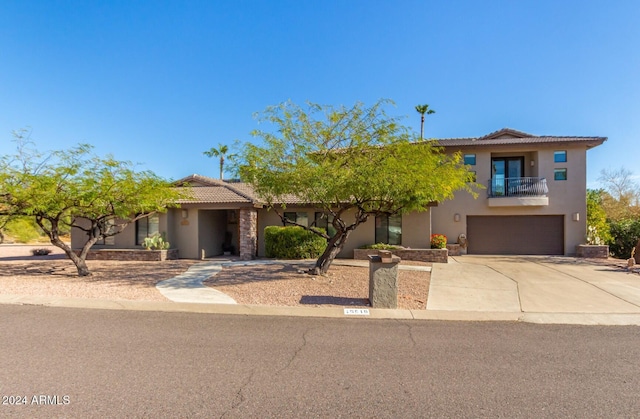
[
  {"x": 132, "y": 254},
  {"x": 592, "y": 251},
  {"x": 454, "y": 249},
  {"x": 248, "y": 233},
  {"x": 421, "y": 255}
]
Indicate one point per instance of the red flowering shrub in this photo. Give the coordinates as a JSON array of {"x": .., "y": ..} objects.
[{"x": 438, "y": 241}]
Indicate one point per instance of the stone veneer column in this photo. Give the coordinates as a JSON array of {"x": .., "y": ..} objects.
[{"x": 248, "y": 233}]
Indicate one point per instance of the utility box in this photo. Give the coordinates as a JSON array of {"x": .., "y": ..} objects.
[{"x": 383, "y": 280}]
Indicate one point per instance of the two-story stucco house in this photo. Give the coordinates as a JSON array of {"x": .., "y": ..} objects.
[
  {"x": 535, "y": 198},
  {"x": 534, "y": 203}
]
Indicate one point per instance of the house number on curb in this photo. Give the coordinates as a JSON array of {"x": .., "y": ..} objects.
[{"x": 356, "y": 311}]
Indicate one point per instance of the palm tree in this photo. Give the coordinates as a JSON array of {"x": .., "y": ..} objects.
[
  {"x": 221, "y": 152},
  {"x": 422, "y": 109}
]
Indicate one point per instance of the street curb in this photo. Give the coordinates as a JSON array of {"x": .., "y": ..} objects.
[{"x": 608, "y": 319}]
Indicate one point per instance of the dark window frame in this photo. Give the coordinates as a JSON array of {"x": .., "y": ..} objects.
[
  {"x": 148, "y": 231},
  {"x": 560, "y": 156},
  {"x": 560, "y": 174},
  {"x": 323, "y": 220},
  {"x": 295, "y": 217},
  {"x": 472, "y": 159},
  {"x": 383, "y": 226}
]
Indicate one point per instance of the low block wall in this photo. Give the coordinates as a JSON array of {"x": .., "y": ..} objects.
[
  {"x": 132, "y": 254},
  {"x": 592, "y": 251},
  {"x": 454, "y": 249},
  {"x": 421, "y": 255}
]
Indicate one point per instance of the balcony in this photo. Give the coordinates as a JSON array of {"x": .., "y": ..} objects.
[{"x": 518, "y": 191}]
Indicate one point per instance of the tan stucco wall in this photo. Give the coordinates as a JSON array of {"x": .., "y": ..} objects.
[
  {"x": 415, "y": 230},
  {"x": 565, "y": 197},
  {"x": 125, "y": 240},
  {"x": 186, "y": 234}
]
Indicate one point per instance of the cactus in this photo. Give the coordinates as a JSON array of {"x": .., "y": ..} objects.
[{"x": 156, "y": 242}]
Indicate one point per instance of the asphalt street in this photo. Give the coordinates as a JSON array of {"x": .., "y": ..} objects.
[{"x": 105, "y": 363}]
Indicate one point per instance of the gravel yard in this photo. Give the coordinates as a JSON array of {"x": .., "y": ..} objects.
[
  {"x": 282, "y": 285},
  {"x": 287, "y": 285}
]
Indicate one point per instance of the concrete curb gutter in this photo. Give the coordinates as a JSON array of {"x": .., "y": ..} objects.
[{"x": 326, "y": 312}]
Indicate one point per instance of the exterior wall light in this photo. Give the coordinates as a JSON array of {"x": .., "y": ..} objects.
[
  {"x": 185, "y": 213},
  {"x": 576, "y": 216},
  {"x": 456, "y": 218}
]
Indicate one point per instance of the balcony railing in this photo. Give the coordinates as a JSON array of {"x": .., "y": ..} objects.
[{"x": 517, "y": 187}]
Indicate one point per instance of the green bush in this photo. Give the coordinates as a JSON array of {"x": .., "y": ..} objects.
[
  {"x": 292, "y": 243},
  {"x": 23, "y": 230},
  {"x": 625, "y": 235},
  {"x": 381, "y": 246}
]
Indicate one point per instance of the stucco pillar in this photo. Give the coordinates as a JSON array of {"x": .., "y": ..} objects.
[
  {"x": 383, "y": 280},
  {"x": 248, "y": 233}
]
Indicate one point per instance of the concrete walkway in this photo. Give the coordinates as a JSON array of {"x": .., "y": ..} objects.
[
  {"x": 189, "y": 288},
  {"x": 535, "y": 286}
]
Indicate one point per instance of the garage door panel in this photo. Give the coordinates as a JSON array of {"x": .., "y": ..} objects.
[{"x": 516, "y": 235}]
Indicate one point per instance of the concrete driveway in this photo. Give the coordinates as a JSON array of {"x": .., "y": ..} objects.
[{"x": 540, "y": 285}]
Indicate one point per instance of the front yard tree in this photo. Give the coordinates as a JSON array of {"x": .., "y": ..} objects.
[
  {"x": 76, "y": 189},
  {"x": 352, "y": 163}
]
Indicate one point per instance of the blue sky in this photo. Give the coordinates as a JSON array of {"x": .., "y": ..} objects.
[{"x": 158, "y": 82}]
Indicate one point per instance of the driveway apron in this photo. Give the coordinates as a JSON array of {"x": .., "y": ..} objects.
[{"x": 531, "y": 284}]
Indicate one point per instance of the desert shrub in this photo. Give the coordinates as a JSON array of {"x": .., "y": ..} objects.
[
  {"x": 381, "y": 246},
  {"x": 438, "y": 241},
  {"x": 624, "y": 237},
  {"x": 292, "y": 243},
  {"x": 40, "y": 252}
]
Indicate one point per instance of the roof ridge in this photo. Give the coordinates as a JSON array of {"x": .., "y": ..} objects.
[
  {"x": 216, "y": 182},
  {"x": 507, "y": 130}
]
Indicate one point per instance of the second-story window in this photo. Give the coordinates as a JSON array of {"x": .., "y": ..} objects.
[
  {"x": 470, "y": 159},
  {"x": 560, "y": 156},
  {"x": 559, "y": 174}
]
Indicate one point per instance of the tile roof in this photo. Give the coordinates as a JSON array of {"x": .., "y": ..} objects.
[
  {"x": 206, "y": 190},
  {"x": 508, "y": 136}
]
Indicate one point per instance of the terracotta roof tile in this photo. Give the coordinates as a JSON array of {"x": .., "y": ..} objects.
[
  {"x": 508, "y": 136},
  {"x": 208, "y": 190}
]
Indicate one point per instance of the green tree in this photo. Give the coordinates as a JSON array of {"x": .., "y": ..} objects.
[
  {"x": 350, "y": 162},
  {"x": 423, "y": 109},
  {"x": 220, "y": 152},
  {"x": 597, "y": 224},
  {"x": 76, "y": 189}
]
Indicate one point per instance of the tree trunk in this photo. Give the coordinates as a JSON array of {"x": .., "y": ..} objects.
[
  {"x": 335, "y": 245},
  {"x": 637, "y": 253},
  {"x": 78, "y": 260}
]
